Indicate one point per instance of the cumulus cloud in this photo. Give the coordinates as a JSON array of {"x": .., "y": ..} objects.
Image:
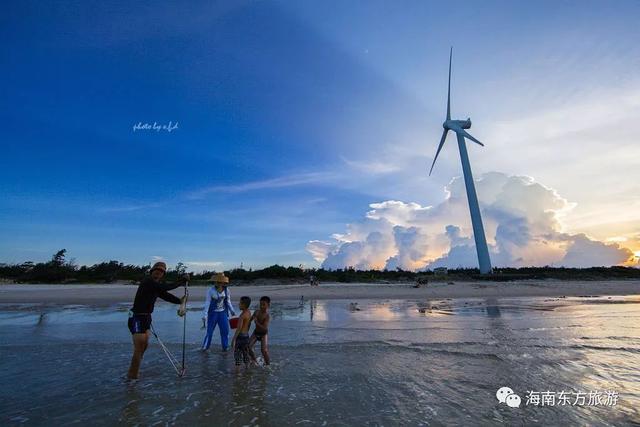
[
  {"x": 585, "y": 252},
  {"x": 522, "y": 220}
]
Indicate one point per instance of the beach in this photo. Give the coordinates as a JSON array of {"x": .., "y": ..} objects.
[
  {"x": 375, "y": 361},
  {"x": 342, "y": 354},
  {"x": 94, "y": 294}
]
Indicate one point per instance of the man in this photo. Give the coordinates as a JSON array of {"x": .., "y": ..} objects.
[{"x": 140, "y": 315}]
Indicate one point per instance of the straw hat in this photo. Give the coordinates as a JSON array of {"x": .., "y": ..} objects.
[
  {"x": 159, "y": 266},
  {"x": 219, "y": 278}
]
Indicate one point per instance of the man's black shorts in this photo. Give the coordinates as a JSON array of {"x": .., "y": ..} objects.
[{"x": 139, "y": 323}]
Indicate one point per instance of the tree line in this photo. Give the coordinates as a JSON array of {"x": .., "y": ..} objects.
[{"x": 61, "y": 270}]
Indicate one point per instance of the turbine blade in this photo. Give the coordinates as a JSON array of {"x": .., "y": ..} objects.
[
  {"x": 449, "y": 89},
  {"x": 468, "y": 135},
  {"x": 444, "y": 136}
]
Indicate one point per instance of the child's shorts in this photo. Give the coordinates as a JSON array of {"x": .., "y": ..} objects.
[
  {"x": 259, "y": 335},
  {"x": 241, "y": 351}
]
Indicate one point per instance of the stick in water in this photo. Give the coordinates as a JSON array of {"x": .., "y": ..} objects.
[
  {"x": 184, "y": 326},
  {"x": 172, "y": 359}
]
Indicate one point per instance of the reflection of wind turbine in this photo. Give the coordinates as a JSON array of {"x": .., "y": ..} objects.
[{"x": 459, "y": 126}]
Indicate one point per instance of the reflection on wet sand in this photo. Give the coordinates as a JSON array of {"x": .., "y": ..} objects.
[
  {"x": 41, "y": 319},
  {"x": 372, "y": 362},
  {"x": 131, "y": 410},
  {"x": 249, "y": 398}
]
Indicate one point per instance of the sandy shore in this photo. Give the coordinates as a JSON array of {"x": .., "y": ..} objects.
[{"x": 111, "y": 294}]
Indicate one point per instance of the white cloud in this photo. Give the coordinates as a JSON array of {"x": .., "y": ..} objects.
[
  {"x": 371, "y": 167},
  {"x": 200, "y": 266},
  {"x": 522, "y": 220},
  {"x": 130, "y": 208},
  {"x": 204, "y": 264},
  {"x": 320, "y": 250},
  {"x": 584, "y": 147},
  {"x": 268, "y": 184},
  {"x": 584, "y": 252}
]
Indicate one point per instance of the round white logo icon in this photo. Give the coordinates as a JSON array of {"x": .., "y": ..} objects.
[{"x": 506, "y": 395}]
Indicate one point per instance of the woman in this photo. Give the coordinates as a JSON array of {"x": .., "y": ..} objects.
[
  {"x": 217, "y": 307},
  {"x": 140, "y": 315}
]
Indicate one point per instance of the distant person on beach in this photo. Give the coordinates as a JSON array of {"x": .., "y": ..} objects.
[
  {"x": 420, "y": 282},
  {"x": 217, "y": 308},
  {"x": 261, "y": 320},
  {"x": 240, "y": 341},
  {"x": 140, "y": 315}
]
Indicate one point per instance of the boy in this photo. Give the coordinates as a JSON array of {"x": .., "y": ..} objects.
[
  {"x": 240, "y": 341},
  {"x": 261, "y": 319}
]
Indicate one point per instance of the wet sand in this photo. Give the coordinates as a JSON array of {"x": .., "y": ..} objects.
[
  {"x": 389, "y": 362},
  {"x": 110, "y": 294}
]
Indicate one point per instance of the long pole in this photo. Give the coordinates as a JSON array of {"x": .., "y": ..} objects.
[
  {"x": 184, "y": 327},
  {"x": 484, "y": 261}
]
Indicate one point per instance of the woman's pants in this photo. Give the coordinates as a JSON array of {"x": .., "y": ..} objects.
[{"x": 221, "y": 319}]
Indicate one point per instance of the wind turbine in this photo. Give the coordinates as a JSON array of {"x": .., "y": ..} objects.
[{"x": 459, "y": 126}]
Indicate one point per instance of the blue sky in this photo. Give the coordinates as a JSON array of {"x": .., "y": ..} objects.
[{"x": 293, "y": 117}]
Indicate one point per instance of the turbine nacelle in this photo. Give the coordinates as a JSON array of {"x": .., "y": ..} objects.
[{"x": 457, "y": 124}]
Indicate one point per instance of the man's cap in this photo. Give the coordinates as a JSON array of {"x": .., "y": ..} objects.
[{"x": 159, "y": 266}]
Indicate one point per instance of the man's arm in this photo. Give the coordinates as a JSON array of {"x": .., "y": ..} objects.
[
  {"x": 171, "y": 286},
  {"x": 169, "y": 297}
]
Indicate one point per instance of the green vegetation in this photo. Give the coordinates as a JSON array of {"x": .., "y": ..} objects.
[{"x": 61, "y": 270}]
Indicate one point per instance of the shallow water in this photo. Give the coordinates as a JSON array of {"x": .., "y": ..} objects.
[{"x": 334, "y": 363}]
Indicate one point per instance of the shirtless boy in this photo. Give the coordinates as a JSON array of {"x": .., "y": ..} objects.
[
  {"x": 261, "y": 319},
  {"x": 240, "y": 342}
]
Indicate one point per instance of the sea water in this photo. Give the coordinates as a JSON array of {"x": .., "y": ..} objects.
[{"x": 364, "y": 362}]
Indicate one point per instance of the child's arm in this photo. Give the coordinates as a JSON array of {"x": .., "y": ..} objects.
[
  {"x": 263, "y": 325},
  {"x": 238, "y": 329}
]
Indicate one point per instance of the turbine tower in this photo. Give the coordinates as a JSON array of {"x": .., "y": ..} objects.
[{"x": 459, "y": 126}]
